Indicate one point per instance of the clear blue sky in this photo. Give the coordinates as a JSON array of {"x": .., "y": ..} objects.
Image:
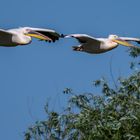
[{"x": 33, "y": 74}]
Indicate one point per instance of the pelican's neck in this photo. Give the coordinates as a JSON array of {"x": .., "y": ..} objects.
[
  {"x": 112, "y": 44},
  {"x": 19, "y": 37}
]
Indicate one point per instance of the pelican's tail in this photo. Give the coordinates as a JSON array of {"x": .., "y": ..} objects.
[{"x": 75, "y": 48}]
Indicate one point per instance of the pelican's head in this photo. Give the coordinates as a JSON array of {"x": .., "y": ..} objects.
[
  {"x": 120, "y": 41},
  {"x": 113, "y": 37}
]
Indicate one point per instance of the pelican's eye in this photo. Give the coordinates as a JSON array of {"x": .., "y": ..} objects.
[
  {"x": 115, "y": 36},
  {"x": 27, "y": 30}
]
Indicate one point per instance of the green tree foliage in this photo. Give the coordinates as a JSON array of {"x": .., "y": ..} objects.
[{"x": 113, "y": 115}]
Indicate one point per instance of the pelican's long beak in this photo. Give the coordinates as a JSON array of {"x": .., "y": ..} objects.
[
  {"x": 123, "y": 42},
  {"x": 38, "y": 35}
]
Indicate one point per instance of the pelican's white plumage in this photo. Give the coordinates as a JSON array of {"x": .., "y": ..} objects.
[
  {"x": 90, "y": 44},
  {"x": 23, "y": 36}
]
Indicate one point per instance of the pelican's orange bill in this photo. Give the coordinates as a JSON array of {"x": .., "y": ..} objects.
[
  {"x": 38, "y": 35},
  {"x": 123, "y": 42}
]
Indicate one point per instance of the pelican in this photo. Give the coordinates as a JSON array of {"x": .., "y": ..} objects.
[
  {"x": 23, "y": 36},
  {"x": 93, "y": 45}
]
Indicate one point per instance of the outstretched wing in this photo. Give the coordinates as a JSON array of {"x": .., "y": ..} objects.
[
  {"x": 52, "y": 34},
  {"x": 5, "y": 38},
  {"x": 5, "y": 34},
  {"x": 84, "y": 38}
]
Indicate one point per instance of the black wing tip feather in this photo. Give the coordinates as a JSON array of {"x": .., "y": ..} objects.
[
  {"x": 138, "y": 42},
  {"x": 63, "y": 35}
]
